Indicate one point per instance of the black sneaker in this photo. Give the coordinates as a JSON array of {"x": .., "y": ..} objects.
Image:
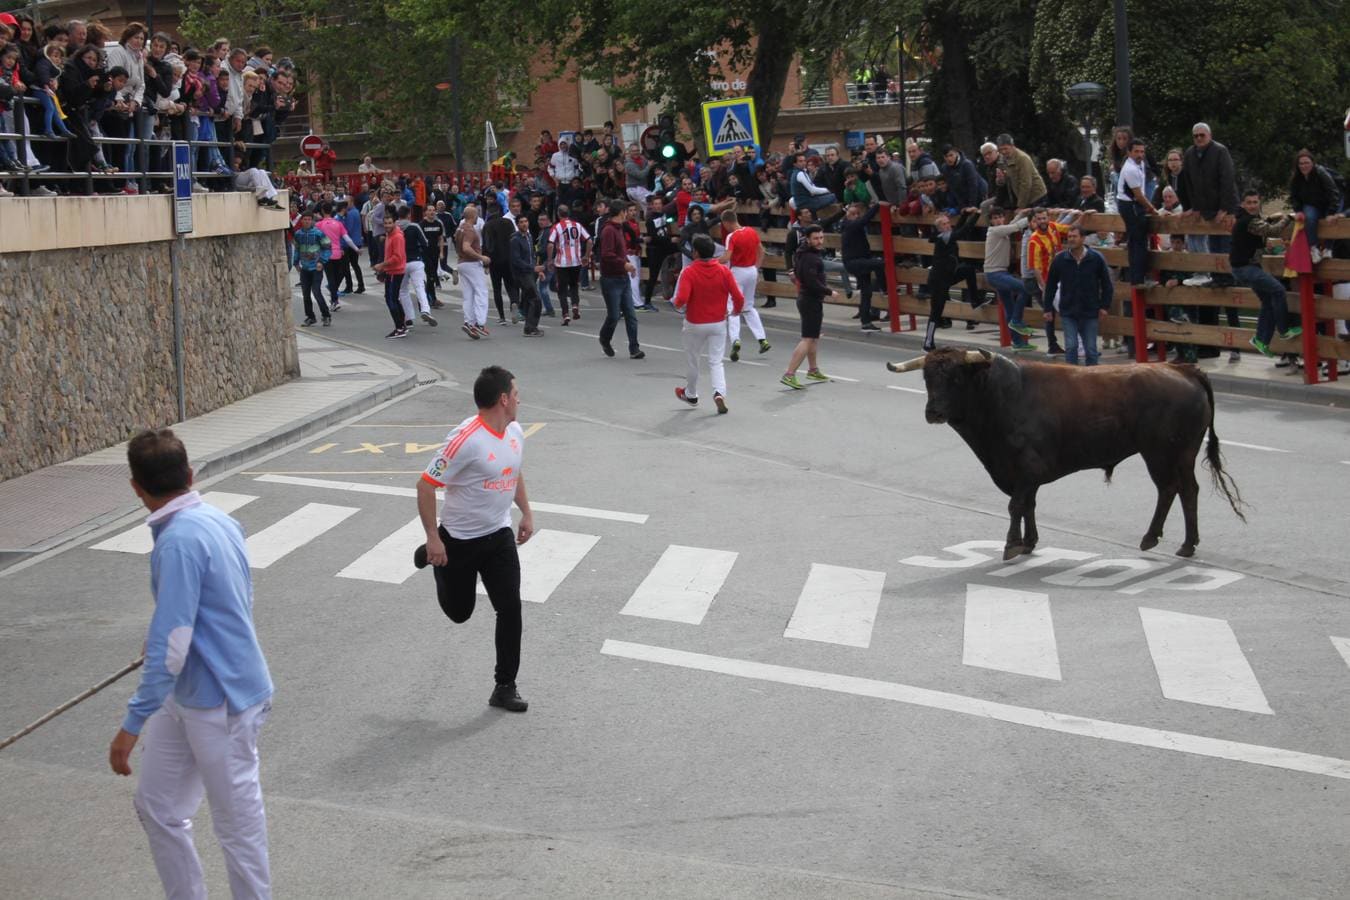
[
  {"x": 607, "y": 347},
  {"x": 393, "y": 334},
  {"x": 308, "y": 322},
  {"x": 637, "y": 355},
  {"x": 970, "y": 326},
  {"x": 721, "y": 404},
  {"x": 1055, "y": 350},
  {"x": 328, "y": 320},
  {"x": 420, "y": 557},
  {"x": 868, "y": 326},
  {"x": 429, "y": 319},
  {"x": 505, "y": 696}
]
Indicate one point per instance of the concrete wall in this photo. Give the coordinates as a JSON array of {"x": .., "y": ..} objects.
[{"x": 86, "y": 318}]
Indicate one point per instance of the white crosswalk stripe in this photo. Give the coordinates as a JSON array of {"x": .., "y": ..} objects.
[
  {"x": 682, "y": 585},
  {"x": 140, "y": 540},
  {"x": 294, "y": 532},
  {"x": 1342, "y": 646},
  {"x": 1010, "y": 631},
  {"x": 1199, "y": 661},
  {"x": 838, "y": 605},
  {"x": 389, "y": 561},
  {"x": 547, "y": 559}
]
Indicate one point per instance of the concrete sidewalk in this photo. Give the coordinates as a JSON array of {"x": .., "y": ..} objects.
[{"x": 51, "y": 506}]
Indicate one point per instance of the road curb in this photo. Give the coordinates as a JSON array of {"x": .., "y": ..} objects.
[{"x": 1295, "y": 392}]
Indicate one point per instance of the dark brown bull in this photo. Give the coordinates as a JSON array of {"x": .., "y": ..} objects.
[{"x": 1033, "y": 423}]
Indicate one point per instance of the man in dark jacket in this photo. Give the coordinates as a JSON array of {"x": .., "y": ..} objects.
[
  {"x": 947, "y": 269},
  {"x": 809, "y": 271},
  {"x": 1084, "y": 285},
  {"x": 497, "y": 231},
  {"x": 1061, "y": 188},
  {"x": 1208, "y": 185},
  {"x": 859, "y": 261},
  {"x": 523, "y": 272},
  {"x": 964, "y": 183}
]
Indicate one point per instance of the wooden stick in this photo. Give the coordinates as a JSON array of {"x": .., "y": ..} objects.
[{"x": 125, "y": 670}]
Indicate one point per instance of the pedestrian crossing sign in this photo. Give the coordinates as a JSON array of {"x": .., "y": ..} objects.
[{"x": 728, "y": 124}]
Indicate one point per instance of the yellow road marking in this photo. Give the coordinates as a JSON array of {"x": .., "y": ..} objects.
[
  {"x": 322, "y": 447},
  {"x": 371, "y": 448},
  {"x": 533, "y": 428},
  {"x": 413, "y": 447}
]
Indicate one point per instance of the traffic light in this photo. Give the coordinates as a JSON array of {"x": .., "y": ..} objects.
[{"x": 667, "y": 147}]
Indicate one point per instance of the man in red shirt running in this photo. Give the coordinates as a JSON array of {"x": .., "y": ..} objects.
[
  {"x": 745, "y": 254},
  {"x": 702, "y": 295}
]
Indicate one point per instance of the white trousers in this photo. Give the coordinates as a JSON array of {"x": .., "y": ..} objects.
[
  {"x": 414, "y": 286},
  {"x": 635, "y": 280},
  {"x": 189, "y": 752},
  {"x": 710, "y": 340},
  {"x": 747, "y": 279},
  {"x": 473, "y": 285},
  {"x": 255, "y": 180}
]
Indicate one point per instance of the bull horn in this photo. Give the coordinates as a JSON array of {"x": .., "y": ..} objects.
[
  {"x": 978, "y": 356},
  {"x": 907, "y": 366}
]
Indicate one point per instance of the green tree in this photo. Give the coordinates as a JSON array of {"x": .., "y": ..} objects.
[
  {"x": 367, "y": 67},
  {"x": 1269, "y": 78}
]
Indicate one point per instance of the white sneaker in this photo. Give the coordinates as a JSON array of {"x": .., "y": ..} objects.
[
  {"x": 1316, "y": 254},
  {"x": 1201, "y": 280}
]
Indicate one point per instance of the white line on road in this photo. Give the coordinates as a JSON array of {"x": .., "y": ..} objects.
[
  {"x": 1229, "y": 443},
  {"x": 1010, "y": 631},
  {"x": 294, "y": 532},
  {"x": 1175, "y": 741},
  {"x": 140, "y": 540},
  {"x": 591, "y": 334},
  {"x": 393, "y": 490},
  {"x": 842, "y": 378},
  {"x": 1342, "y": 646},
  {"x": 838, "y": 605},
  {"x": 389, "y": 561},
  {"x": 682, "y": 585},
  {"x": 548, "y": 558},
  {"x": 1199, "y": 661},
  {"x": 907, "y": 390}
]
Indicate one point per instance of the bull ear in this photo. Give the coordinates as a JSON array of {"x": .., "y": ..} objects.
[{"x": 979, "y": 358}]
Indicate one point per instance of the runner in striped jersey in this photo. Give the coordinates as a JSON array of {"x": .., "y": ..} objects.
[{"x": 569, "y": 250}]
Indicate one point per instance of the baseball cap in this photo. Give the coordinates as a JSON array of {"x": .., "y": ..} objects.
[{"x": 8, "y": 19}]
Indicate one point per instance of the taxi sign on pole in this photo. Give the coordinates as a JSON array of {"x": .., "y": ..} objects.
[
  {"x": 182, "y": 187},
  {"x": 729, "y": 123}
]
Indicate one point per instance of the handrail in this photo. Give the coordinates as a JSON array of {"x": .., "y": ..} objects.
[{"x": 143, "y": 174}]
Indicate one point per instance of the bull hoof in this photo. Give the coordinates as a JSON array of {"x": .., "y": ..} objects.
[
  {"x": 1027, "y": 548},
  {"x": 1148, "y": 543},
  {"x": 1012, "y": 551},
  {"x": 1187, "y": 550}
]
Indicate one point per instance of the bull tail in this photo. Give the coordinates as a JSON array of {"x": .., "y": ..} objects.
[{"x": 1223, "y": 482}]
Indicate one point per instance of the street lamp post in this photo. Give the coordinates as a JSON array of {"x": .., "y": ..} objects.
[
  {"x": 1124, "y": 103},
  {"x": 1083, "y": 98}
]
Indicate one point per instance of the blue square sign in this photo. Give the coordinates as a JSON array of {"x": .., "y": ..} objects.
[{"x": 728, "y": 124}]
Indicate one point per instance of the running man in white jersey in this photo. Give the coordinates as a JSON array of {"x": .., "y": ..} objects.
[
  {"x": 568, "y": 246},
  {"x": 479, "y": 467},
  {"x": 473, "y": 272},
  {"x": 745, "y": 254}
]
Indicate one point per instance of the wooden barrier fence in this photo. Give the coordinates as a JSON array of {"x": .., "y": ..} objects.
[{"x": 1310, "y": 298}]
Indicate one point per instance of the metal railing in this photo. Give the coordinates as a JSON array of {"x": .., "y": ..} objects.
[{"x": 26, "y": 178}]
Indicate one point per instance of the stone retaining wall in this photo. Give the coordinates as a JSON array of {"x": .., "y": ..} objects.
[{"x": 86, "y": 339}]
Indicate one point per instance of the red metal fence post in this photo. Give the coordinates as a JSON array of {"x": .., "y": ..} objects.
[
  {"x": 888, "y": 258},
  {"x": 1004, "y": 334},
  {"x": 1307, "y": 307},
  {"x": 1140, "y": 326}
]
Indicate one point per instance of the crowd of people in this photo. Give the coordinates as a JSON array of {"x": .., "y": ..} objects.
[
  {"x": 79, "y": 82},
  {"x": 526, "y": 235}
]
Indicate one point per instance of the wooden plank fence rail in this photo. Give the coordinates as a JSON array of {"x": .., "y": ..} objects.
[{"x": 1308, "y": 296}]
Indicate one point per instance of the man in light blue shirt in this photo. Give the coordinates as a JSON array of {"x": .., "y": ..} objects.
[{"x": 205, "y": 690}]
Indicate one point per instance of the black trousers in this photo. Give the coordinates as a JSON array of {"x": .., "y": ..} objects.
[
  {"x": 569, "y": 287},
  {"x": 940, "y": 281},
  {"x": 500, "y": 273},
  {"x": 311, "y": 286},
  {"x": 654, "y": 263},
  {"x": 493, "y": 557},
  {"x": 352, "y": 258},
  {"x": 527, "y": 296},
  {"x": 866, "y": 270}
]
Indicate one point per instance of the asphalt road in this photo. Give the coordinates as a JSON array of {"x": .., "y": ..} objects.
[{"x": 771, "y": 653}]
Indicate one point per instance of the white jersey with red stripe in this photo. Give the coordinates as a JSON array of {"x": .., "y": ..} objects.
[
  {"x": 567, "y": 236},
  {"x": 479, "y": 469}
]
